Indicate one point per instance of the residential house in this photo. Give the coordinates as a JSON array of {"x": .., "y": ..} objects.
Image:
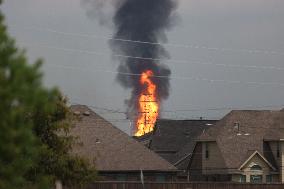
[
  {"x": 174, "y": 141},
  {"x": 244, "y": 146},
  {"x": 115, "y": 155}
]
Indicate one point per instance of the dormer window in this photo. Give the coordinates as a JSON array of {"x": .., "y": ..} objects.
[{"x": 256, "y": 168}]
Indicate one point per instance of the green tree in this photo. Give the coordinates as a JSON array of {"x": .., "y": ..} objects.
[
  {"x": 21, "y": 92},
  {"x": 52, "y": 128},
  {"x": 34, "y": 125}
]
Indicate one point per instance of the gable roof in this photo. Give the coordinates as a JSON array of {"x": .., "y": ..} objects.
[
  {"x": 254, "y": 127},
  {"x": 144, "y": 139},
  {"x": 174, "y": 140},
  {"x": 263, "y": 158},
  {"x": 110, "y": 148}
]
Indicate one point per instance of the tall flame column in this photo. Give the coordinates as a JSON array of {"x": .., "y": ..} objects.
[{"x": 148, "y": 105}]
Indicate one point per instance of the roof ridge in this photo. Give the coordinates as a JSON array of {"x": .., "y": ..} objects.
[{"x": 128, "y": 142}]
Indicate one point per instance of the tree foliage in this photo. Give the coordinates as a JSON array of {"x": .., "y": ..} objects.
[
  {"x": 34, "y": 125},
  {"x": 55, "y": 161}
]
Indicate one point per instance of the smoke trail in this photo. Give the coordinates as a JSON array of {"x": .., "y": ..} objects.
[
  {"x": 101, "y": 10},
  {"x": 139, "y": 20},
  {"x": 143, "y": 20}
]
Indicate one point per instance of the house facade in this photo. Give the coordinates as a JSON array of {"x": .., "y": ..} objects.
[
  {"x": 174, "y": 140},
  {"x": 245, "y": 146},
  {"x": 115, "y": 155}
]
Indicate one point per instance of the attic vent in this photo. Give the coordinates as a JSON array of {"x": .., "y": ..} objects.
[
  {"x": 86, "y": 113},
  {"x": 236, "y": 125},
  {"x": 77, "y": 113}
]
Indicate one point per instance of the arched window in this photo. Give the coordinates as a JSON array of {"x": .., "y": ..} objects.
[{"x": 255, "y": 168}]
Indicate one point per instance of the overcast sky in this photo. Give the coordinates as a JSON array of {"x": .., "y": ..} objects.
[{"x": 220, "y": 25}]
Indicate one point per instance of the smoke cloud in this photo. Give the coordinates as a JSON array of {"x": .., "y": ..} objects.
[{"x": 138, "y": 20}]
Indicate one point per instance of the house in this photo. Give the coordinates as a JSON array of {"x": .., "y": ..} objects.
[
  {"x": 174, "y": 141},
  {"x": 116, "y": 156},
  {"x": 144, "y": 139},
  {"x": 244, "y": 146}
]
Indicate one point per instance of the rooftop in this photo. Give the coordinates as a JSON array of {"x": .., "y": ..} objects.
[{"x": 109, "y": 148}]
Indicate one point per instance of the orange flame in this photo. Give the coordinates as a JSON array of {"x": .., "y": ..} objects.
[{"x": 148, "y": 105}]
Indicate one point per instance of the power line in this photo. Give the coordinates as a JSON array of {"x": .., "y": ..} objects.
[
  {"x": 227, "y": 108},
  {"x": 188, "y": 110},
  {"x": 156, "y": 59},
  {"x": 243, "y": 50},
  {"x": 171, "y": 77},
  {"x": 200, "y": 109}
]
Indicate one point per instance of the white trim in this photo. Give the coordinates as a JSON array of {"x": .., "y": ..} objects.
[{"x": 251, "y": 156}]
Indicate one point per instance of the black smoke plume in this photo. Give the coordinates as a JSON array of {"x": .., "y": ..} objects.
[{"x": 144, "y": 21}]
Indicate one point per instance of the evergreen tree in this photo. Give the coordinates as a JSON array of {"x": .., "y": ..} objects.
[
  {"x": 52, "y": 128},
  {"x": 34, "y": 125},
  {"x": 20, "y": 92}
]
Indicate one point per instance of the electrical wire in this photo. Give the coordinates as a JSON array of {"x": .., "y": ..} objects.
[
  {"x": 243, "y": 50},
  {"x": 170, "y": 77},
  {"x": 195, "y": 62}
]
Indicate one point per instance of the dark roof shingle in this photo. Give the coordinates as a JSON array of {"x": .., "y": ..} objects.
[
  {"x": 110, "y": 148},
  {"x": 174, "y": 140},
  {"x": 236, "y": 145}
]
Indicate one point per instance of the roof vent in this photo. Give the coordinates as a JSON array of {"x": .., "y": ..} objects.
[
  {"x": 77, "y": 113},
  {"x": 98, "y": 141},
  {"x": 86, "y": 113},
  {"x": 236, "y": 124}
]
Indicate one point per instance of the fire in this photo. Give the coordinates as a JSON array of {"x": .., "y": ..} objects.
[{"x": 148, "y": 105}]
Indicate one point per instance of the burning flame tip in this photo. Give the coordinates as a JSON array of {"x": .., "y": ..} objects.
[{"x": 148, "y": 105}]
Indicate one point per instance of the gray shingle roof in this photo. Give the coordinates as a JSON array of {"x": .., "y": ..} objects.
[
  {"x": 254, "y": 128},
  {"x": 110, "y": 148},
  {"x": 174, "y": 140}
]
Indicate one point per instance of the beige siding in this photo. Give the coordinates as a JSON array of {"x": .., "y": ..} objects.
[
  {"x": 215, "y": 162},
  {"x": 282, "y": 161},
  {"x": 257, "y": 160},
  {"x": 236, "y": 178},
  {"x": 196, "y": 164},
  {"x": 273, "y": 146}
]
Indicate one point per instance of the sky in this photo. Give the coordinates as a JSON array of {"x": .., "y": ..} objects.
[{"x": 230, "y": 56}]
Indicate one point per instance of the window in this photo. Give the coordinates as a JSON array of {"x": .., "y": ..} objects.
[
  {"x": 256, "y": 178},
  {"x": 160, "y": 178},
  {"x": 255, "y": 168},
  {"x": 269, "y": 178},
  {"x": 206, "y": 150},
  {"x": 121, "y": 177},
  {"x": 243, "y": 178},
  {"x": 237, "y": 126},
  {"x": 278, "y": 149}
]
